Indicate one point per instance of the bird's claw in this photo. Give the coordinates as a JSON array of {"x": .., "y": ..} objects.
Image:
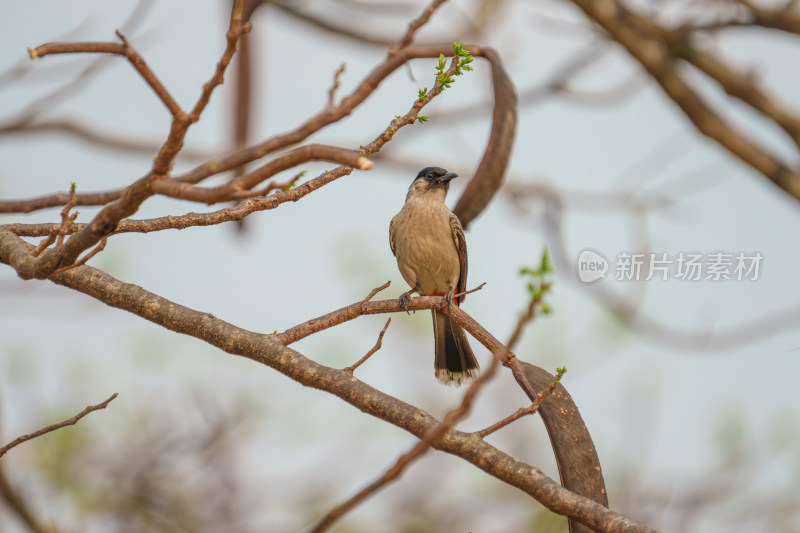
[
  {"x": 405, "y": 299},
  {"x": 449, "y": 299}
]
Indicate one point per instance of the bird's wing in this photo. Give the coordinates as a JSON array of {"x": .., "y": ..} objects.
[
  {"x": 461, "y": 247},
  {"x": 391, "y": 234}
]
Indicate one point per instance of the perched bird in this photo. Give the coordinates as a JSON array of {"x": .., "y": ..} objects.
[{"x": 428, "y": 242}]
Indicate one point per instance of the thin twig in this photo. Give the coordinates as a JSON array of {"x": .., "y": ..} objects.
[
  {"x": 57, "y": 233},
  {"x": 53, "y": 427},
  {"x": 275, "y": 186},
  {"x": 476, "y": 289},
  {"x": 235, "y": 30},
  {"x": 415, "y": 25},
  {"x": 351, "y": 369},
  {"x": 375, "y": 291},
  {"x": 336, "y": 83},
  {"x": 523, "y": 411},
  {"x": 97, "y": 249},
  {"x": 51, "y": 238},
  {"x": 66, "y": 219}
]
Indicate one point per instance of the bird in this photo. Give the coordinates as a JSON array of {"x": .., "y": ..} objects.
[{"x": 428, "y": 242}]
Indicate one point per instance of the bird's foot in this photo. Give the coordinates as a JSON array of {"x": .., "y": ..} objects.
[
  {"x": 448, "y": 297},
  {"x": 405, "y": 299}
]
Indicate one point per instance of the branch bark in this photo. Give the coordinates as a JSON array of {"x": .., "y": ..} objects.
[
  {"x": 53, "y": 427},
  {"x": 268, "y": 350},
  {"x": 134, "y": 195}
]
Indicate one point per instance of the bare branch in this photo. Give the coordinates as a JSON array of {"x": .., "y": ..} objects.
[
  {"x": 335, "y": 85},
  {"x": 235, "y": 31},
  {"x": 352, "y": 368},
  {"x": 95, "y": 136},
  {"x": 414, "y": 26},
  {"x": 654, "y": 55},
  {"x": 66, "y": 219},
  {"x": 375, "y": 291},
  {"x": 476, "y": 289},
  {"x": 449, "y": 421},
  {"x": 97, "y": 249},
  {"x": 53, "y": 427},
  {"x": 267, "y": 350},
  {"x": 57, "y": 233},
  {"x": 241, "y": 157},
  {"x": 106, "y": 221},
  {"x": 240, "y": 187},
  {"x": 523, "y": 411},
  {"x": 17, "y": 505},
  {"x": 121, "y": 49}
]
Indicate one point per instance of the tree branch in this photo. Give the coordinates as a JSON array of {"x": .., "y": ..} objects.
[
  {"x": 267, "y": 350},
  {"x": 352, "y": 368},
  {"x": 654, "y": 55},
  {"x": 53, "y": 427},
  {"x": 121, "y": 49},
  {"x": 134, "y": 195},
  {"x": 240, "y": 187},
  {"x": 252, "y": 153},
  {"x": 449, "y": 421}
]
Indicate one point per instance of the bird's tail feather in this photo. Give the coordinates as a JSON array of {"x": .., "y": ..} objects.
[{"x": 454, "y": 362}]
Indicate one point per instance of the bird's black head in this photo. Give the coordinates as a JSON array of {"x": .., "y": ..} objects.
[{"x": 435, "y": 175}]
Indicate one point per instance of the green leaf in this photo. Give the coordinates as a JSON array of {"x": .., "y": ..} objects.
[
  {"x": 546, "y": 265},
  {"x": 422, "y": 119}
]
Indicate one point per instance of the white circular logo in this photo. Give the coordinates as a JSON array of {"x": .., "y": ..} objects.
[{"x": 591, "y": 266}]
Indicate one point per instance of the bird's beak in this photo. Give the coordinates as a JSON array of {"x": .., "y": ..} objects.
[{"x": 446, "y": 178}]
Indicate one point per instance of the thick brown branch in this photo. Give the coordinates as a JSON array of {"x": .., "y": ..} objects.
[
  {"x": 744, "y": 87},
  {"x": 784, "y": 19},
  {"x": 53, "y": 427},
  {"x": 268, "y": 350},
  {"x": 431, "y": 438}
]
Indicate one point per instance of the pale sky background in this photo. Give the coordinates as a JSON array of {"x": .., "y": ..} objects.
[{"x": 654, "y": 410}]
